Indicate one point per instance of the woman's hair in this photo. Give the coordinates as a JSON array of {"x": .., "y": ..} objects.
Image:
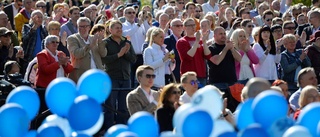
[
  {"x": 213, "y": 25},
  {"x": 279, "y": 82},
  {"x": 304, "y": 95},
  {"x": 271, "y": 39},
  {"x": 8, "y": 66},
  {"x": 155, "y": 32},
  {"x": 166, "y": 94},
  {"x": 148, "y": 35},
  {"x": 99, "y": 17},
  {"x": 53, "y": 24},
  {"x": 290, "y": 37},
  {"x": 232, "y": 11},
  {"x": 96, "y": 28},
  {"x": 255, "y": 32},
  {"x": 235, "y": 37}
]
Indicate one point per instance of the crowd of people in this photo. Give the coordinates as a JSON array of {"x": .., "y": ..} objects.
[{"x": 158, "y": 55}]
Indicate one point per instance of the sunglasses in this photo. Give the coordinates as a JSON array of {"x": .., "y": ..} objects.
[
  {"x": 54, "y": 42},
  {"x": 268, "y": 20},
  {"x": 250, "y": 26},
  {"x": 131, "y": 12},
  {"x": 150, "y": 76},
  {"x": 178, "y": 25},
  {"x": 194, "y": 82},
  {"x": 6, "y": 35},
  {"x": 41, "y": 7},
  {"x": 191, "y": 25},
  {"x": 198, "y": 11},
  {"x": 181, "y": 2},
  {"x": 176, "y": 92},
  {"x": 290, "y": 28},
  {"x": 85, "y": 26}
]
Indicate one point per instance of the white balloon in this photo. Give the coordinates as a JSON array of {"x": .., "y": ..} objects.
[
  {"x": 180, "y": 114},
  {"x": 169, "y": 134},
  {"x": 208, "y": 98},
  {"x": 220, "y": 126},
  {"x": 94, "y": 129},
  {"x": 297, "y": 131},
  {"x": 62, "y": 123}
]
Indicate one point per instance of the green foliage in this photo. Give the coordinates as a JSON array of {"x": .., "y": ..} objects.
[{"x": 305, "y": 2}]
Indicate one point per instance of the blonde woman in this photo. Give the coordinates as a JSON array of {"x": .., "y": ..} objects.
[
  {"x": 212, "y": 20},
  {"x": 309, "y": 94},
  {"x": 157, "y": 56},
  {"x": 244, "y": 68}
]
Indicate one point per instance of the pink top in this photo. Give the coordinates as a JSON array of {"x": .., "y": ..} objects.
[{"x": 253, "y": 60}]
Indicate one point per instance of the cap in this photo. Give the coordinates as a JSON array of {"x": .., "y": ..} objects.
[
  {"x": 274, "y": 27},
  {"x": 5, "y": 31},
  {"x": 316, "y": 35}
]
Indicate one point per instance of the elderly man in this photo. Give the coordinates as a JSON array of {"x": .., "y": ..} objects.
[
  {"x": 71, "y": 26},
  {"x": 118, "y": 62},
  {"x": 84, "y": 50},
  {"x": 170, "y": 41},
  {"x": 136, "y": 33},
  {"x": 7, "y": 51},
  {"x": 143, "y": 98},
  {"x": 306, "y": 77}
]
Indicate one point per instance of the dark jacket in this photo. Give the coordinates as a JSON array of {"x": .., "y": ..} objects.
[
  {"x": 314, "y": 55},
  {"x": 164, "y": 117},
  {"x": 291, "y": 62},
  {"x": 308, "y": 31},
  {"x": 29, "y": 38},
  {"x": 118, "y": 68},
  {"x": 171, "y": 42},
  {"x": 9, "y": 11}
]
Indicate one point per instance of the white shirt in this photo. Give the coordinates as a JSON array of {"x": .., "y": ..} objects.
[
  {"x": 266, "y": 68},
  {"x": 206, "y": 7},
  {"x": 15, "y": 11},
  {"x": 185, "y": 98},
  {"x": 153, "y": 56},
  {"x": 149, "y": 97},
  {"x": 60, "y": 71},
  {"x": 32, "y": 68},
  {"x": 137, "y": 34}
]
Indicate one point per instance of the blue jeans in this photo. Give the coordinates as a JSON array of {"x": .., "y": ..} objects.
[{"x": 117, "y": 111}]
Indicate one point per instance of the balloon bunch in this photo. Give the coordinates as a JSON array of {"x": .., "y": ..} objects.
[
  {"x": 266, "y": 116},
  {"x": 76, "y": 109}
]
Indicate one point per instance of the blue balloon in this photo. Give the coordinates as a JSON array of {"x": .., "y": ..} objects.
[
  {"x": 140, "y": 121},
  {"x": 27, "y": 98},
  {"x": 116, "y": 130},
  {"x": 180, "y": 114},
  {"x": 228, "y": 134},
  {"x": 244, "y": 118},
  {"x": 49, "y": 130},
  {"x": 84, "y": 113},
  {"x": 269, "y": 106},
  {"x": 96, "y": 84},
  {"x": 197, "y": 123},
  {"x": 128, "y": 134},
  {"x": 254, "y": 130},
  {"x": 82, "y": 135},
  {"x": 31, "y": 133},
  {"x": 309, "y": 117},
  {"x": 62, "y": 123},
  {"x": 14, "y": 121},
  {"x": 60, "y": 95}
]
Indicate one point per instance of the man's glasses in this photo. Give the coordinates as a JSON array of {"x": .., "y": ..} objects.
[
  {"x": 246, "y": 12},
  {"x": 54, "y": 42},
  {"x": 290, "y": 28},
  {"x": 150, "y": 76},
  {"x": 193, "y": 82},
  {"x": 84, "y": 26},
  {"x": 198, "y": 11},
  {"x": 6, "y": 35},
  {"x": 250, "y": 26},
  {"x": 177, "y": 26},
  {"x": 39, "y": 6},
  {"x": 181, "y": 2},
  {"x": 268, "y": 20},
  {"x": 176, "y": 92},
  {"x": 131, "y": 12},
  {"x": 191, "y": 25}
]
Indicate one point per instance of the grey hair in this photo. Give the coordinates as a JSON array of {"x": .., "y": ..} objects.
[
  {"x": 34, "y": 13},
  {"x": 50, "y": 38},
  {"x": 83, "y": 19}
]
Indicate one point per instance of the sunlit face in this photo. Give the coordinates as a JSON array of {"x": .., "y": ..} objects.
[
  {"x": 15, "y": 69},
  {"x": 191, "y": 84},
  {"x": 242, "y": 36},
  {"x": 159, "y": 39},
  {"x": 220, "y": 36},
  {"x": 302, "y": 20},
  {"x": 277, "y": 33},
  {"x": 53, "y": 45},
  {"x": 312, "y": 96},
  {"x": 75, "y": 15},
  {"x": 39, "y": 18},
  {"x": 310, "y": 78},
  {"x": 177, "y": 27},
  {"x": 190, "y": 27},
  {"x": 130, "y": 15},
  {"x": 289, "y": 28},
  {"x": 3, "y": 20},
  {"x": 54, "y": 30},
  {"x": 164, "y": 19},
  {"x": 229, "y": 14},
  {"x": 175, "y": 95},
  {"x": 84, "y": 28},
  {"x": 145, "y": 78},
  {"x": 191, "y": 9},
  {"x": 116, "y": 30},
  {"x": 5, "y": 39},
  {"x": 204, "y": 26},
  {"x": 289, "y": 44}
]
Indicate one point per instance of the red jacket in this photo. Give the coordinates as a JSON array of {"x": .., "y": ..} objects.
[{"x": 47, "y": 69}]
